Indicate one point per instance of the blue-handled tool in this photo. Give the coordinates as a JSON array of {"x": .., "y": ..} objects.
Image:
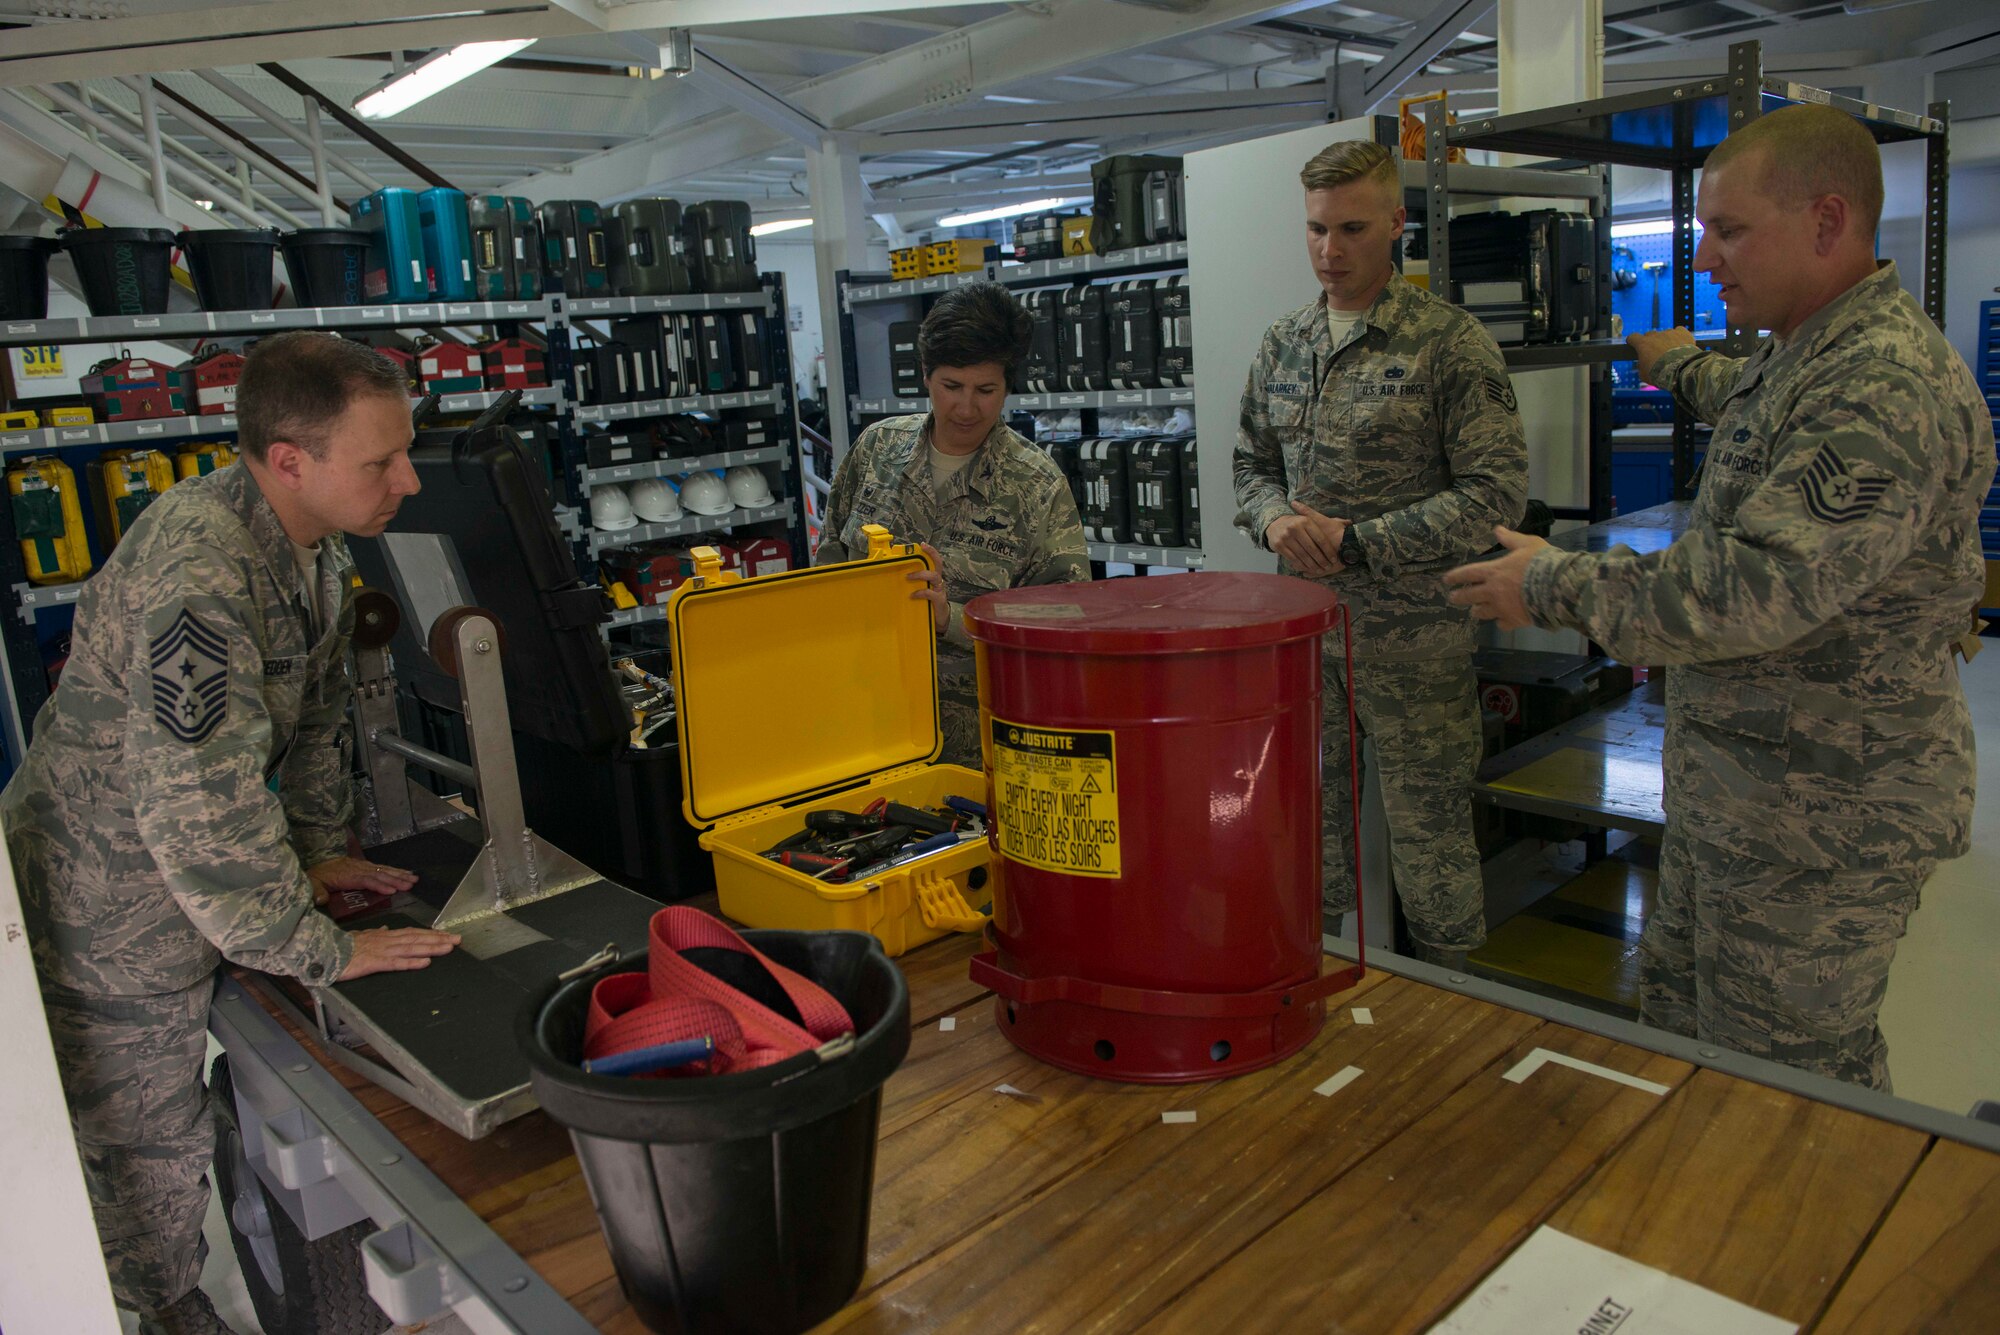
[
  {"x": 659, "y": 1057},
  {"x": 967, "y": 807}
]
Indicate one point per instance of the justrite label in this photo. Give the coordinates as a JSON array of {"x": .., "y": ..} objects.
[{"x": 1057, "y": 796}]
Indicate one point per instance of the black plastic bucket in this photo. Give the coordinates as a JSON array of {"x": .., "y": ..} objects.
[
  {"x": 24, "y": 277},
  {"x": 327, "y": 265},
  {"x": 231, "y": 267},
  {"x": 124, "y": 270},
  {"x": 734, "y": 1203}
]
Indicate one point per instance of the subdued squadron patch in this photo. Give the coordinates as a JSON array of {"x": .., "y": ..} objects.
[{"x": 190, "y": 679}]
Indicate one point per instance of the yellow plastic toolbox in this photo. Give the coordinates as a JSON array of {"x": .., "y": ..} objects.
[
  {"x": 906, "y": 262},
  {"x": 816, "y": 690},
  {"x": 960, "y": 255},
  {"x": 48, "y": 518}
]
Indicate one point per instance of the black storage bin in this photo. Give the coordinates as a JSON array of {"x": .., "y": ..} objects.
[
  {"x": 328, "y": 265},
  {"x": 1041, "y": 369},
  {"x": 647, "y": 259},
  {"x": 733, "y": 1203},
  {"x": 124, "y": 270},
  {"x": 231, "y": 267},
  {"x": 1082, "y": 348},
  {"x": 906, "y": 372},
  {"x": 620, "y": 816},
  {"x": 1107, "y": 492},
  {"x": 24, "y": 277},
  {"x": 1133, "y": 323}
]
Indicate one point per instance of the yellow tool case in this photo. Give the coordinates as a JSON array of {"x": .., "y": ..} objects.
[
  {"x": 48, "y": 518},
  {"x": 906, "y": 262},
  {"x": 816, "y": 690},
  {"x": 127, "y": 482},
  {"x": 961, "y": 255},
  {"x": 203, "y": 459}
]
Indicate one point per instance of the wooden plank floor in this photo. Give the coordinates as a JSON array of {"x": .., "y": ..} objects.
[{"x": 1071, "y": 1206}]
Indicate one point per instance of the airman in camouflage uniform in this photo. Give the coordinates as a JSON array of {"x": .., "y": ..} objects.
[
  {"x": 190, "y": 768},
  {"x": 1818, "y": 753},
  {"x": 1004, "y": 521},
  {"x": 1407, "y": 428}
]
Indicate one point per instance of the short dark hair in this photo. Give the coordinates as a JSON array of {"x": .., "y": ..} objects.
[
  {"x": 1810, "y": 152},
  {"x": 296, "y": 385},
  {"x": 970, "y": 325}
]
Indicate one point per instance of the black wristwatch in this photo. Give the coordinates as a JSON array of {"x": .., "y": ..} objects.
[{"x": 1351, "y": 553}]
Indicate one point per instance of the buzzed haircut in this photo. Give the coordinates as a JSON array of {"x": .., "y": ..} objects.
[
  {"x": 1811, "y": 152},
  {"x": 972, "y": 325},
  {"x": 295, "y": 386},
  {"x": 1351, "y": 160}
]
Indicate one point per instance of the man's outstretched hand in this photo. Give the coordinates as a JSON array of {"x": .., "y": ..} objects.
[
  {"x": 1492, "y": 589},
  {"x": 337, "y": 874},
  {"x": 395, "y": 949}
]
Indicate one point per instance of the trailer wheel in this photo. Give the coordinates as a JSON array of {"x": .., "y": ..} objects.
[{"x": 298, "y": 1287}]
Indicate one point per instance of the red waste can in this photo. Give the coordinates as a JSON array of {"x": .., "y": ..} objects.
[{"x": 1152, "y": 754}]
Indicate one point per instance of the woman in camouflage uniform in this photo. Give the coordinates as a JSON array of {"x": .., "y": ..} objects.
[{"x": 995, "y": 512}]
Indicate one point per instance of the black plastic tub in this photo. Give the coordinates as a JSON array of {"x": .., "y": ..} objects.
[
  {"x": 734, "y": 1203},
  {"x": 124, "y": 270},
  {"x": 24, "y": 277},
  {"x": 232, "y": 267},
  {"x": 327, "y": 265}
]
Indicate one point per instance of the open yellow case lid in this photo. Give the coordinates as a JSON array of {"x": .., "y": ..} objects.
[{"x": 793, "y": 685}]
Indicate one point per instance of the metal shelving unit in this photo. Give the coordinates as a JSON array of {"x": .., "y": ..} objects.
[
  {"x": 26, "y": 685},
  {"x": 1672, "y": 129},
  {"x": 1436, "y": 184},
  {"x": 198, "y": 324},
  {"x": 597, "y": 414},
  {"x": 770, "y": 454},
  {"x": 869, "y": 303},
  {"x": 1171, "y": 558},
  {"x": 597, "y": 541}
]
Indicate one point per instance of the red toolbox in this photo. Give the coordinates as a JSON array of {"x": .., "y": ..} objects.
[
  {"x": 207, "y": 381},
  {"x": 764, "y": 556},
  {"x": 514, "y": 363},
  {"x": 126, "y": 389}
]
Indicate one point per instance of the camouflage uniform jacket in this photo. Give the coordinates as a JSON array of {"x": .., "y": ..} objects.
[
  {"x": 1409, "y": 430},
  {"x": 1831, "y": 560},
  {"x": 143, "y": 826},
  {"x": 1006, "y": 520}
]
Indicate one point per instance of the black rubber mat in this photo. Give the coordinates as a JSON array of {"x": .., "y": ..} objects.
[{"x": 455, "y": 1018}]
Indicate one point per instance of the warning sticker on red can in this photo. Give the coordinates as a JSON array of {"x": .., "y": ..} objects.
[{"x": 1056, "y": 795}]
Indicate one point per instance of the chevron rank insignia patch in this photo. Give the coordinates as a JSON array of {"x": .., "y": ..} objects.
[
  {"x": 1835, "y": 496},
  {"x": 190, "y": 679}
]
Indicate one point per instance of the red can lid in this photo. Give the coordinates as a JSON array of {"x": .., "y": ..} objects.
[{"x": 1165, "y": 614}]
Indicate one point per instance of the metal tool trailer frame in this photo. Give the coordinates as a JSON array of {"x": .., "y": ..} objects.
[
  {"x": 313, "y": 1150},
  {"x": 329, "y": 1164}
]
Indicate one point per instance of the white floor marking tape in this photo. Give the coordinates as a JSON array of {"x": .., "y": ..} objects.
[
  {"x": 1541, "y": 1057},
  {"x": 1176, "y": 1118},
  {"x": 1333, "y": 1084},
  {"x": 947, "y": 1024},
  {"x": 1362, "y": 1015}
]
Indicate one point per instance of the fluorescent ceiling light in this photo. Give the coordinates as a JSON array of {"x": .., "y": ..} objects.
[
  {"x": 433, "y": 74},
  {"x": 780, "y": 225},
  {"x": 1004, "y": 211}
]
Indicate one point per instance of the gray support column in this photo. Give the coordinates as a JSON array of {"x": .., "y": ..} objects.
[{"x": 840, "y": 241}]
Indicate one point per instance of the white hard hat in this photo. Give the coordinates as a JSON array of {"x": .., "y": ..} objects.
[
  {"x": 747, "y": 486},
  {"x": 654, "y": 501},
  {"x": 610, "y": 508},
  {"x": 705, "y": 494}
]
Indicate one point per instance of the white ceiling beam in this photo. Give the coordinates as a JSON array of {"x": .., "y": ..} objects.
[
  {"x": 1024, "y": 43},
  {"x": 756, "y": 101},
  {"x": 1432, "y": 35},
  {"x": 92, "y": 53},
  {"x": 702, "y": 13}
]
